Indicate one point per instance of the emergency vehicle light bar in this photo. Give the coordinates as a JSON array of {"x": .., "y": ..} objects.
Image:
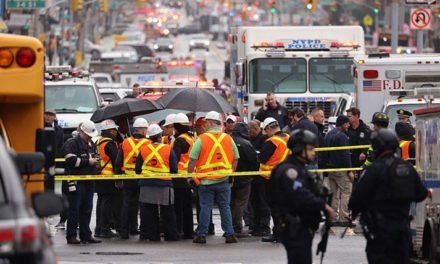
[
  {"x": 276, "y": 44},
  {"x": 58, "y": 69},
  {"x": 344, "y": 45}
]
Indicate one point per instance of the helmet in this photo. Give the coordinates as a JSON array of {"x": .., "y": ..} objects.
[
  {"x": 213, "y": 115},
  {"x": 269, "y": 121},
  {"x": 169, "y": 120},
  {"x": 181, "y": 118},
  {"x": 108, "y": 124},
  {"x": 380, "y": 119},
  {"x": 384, "y": 139},
  {"x": 299, "y": 138},
  {"x": 88, "y": 127},
  {"x": 154, "y": 130},
  {"x": 140, "y": 123}
]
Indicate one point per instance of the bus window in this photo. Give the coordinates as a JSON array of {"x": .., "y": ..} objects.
[{"x": 331, "y": 75}]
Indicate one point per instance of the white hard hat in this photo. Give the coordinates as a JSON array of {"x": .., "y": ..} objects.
[
  {"x": 232, "y": 117},
  {"x": 213, "y": 115},
  {"x": 169, "y": 120},
  {"x": 181, "y": 118},
  {"x": 268, "y": 121},
  {"x": 140, "y": 123},
  {"x": 153, "y": 130},
  {"x": 108, "y": 124},
  {"x": 88, "y": 127}
]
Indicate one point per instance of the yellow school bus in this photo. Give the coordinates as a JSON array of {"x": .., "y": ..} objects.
[{"x": 22, "y": 96}]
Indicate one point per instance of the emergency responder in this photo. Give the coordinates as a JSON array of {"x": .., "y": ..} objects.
[
  {"x": 126, "y": 163},
  {"x": 168, "y": 129},
  {"x": 78, "y": 153},
  {"x": 359, "y": 134},
  {"x": 299, "y": 198},
  {"x": 382, "y": 197},
  {"x": 156, "y": 157},
  {"x": 182, "y": 190},
  {"x": 50, "y": 120},
  {"x": 380, "y": 120},
  {"x": 136, "y": 91},
  {"x": 107, "y": 190},
  {"x": 274, "y": 151},
  {"x": 272, "y": 108},
  {"x": 405, "y": 132},
  {"x": 214, "y": 151},
  {"x": 404, "y": 116}
]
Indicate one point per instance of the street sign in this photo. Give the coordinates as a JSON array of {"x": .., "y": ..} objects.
[
  {"x": 420, "y": 18},
  {"x": 368, "y": 21},
  {"x": 420, "y": 2},
  {"x": 25, "y": 4}
]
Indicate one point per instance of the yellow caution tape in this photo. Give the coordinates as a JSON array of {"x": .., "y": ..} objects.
[{"x": 316, "y": 149}]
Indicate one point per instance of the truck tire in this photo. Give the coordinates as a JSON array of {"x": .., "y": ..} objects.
[{"x": 429, "y": 244}]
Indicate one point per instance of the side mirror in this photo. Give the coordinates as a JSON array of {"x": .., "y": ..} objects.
[
  {"x": 30, "y": 163},
  {"x": 45, "y": 143},
  {"x": 46, "y": 204},
  {"x": 239, "y": 73}
]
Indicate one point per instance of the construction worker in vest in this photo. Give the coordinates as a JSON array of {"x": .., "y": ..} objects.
[
  {"x": 126, "y": 163},
  {"x": 182, "y": 146},
  {"x": 155, "y": 158},
  {"x": 168, "y": 129},
  {"x": 380, "y": 120},
  {"x": 214, "y": 151},
  {"x": 106, "y": 213},
  {"x": 405, "y": 132},
  {"x": 273, "y": 151}
]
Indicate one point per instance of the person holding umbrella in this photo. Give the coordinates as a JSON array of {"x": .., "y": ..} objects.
[
  {"x": 126, "y": 163},
  {"x": 156, "y": 157}
]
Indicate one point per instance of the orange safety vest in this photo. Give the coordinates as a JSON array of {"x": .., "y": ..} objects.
[
  {"x": 156, "y": 158},
  {"x": 130, "y": 147},
  {"x": 278, "y": 156},
  {"x": 184, "y": 157},
  {"x": 104, "y": 162},
  {"x": 216, "y": 154},
  {"x": 404, "y": 147}
]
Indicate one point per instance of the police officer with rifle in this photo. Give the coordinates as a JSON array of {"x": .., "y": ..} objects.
[
  {"x": 299, "y": 198},
  {"x": 382, "y": 197}
]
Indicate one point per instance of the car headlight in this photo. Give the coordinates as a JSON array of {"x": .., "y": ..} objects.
[
  {"x": 170, "y": 46},
  {"x": 191, "y": 43},
  {"x": 156, "y": 46},
  {"x": 206, "y": 43}
]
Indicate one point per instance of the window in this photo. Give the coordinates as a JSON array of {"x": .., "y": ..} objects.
[
  {"x": 110, "y": 96},
  {"x": 278, "y": 75},
  {"x": 71, "y": 98},
  {"x": 331, "y": 75},
  {"x": 391, "y": 111},
  {"x": 101, "y": 79},
  {"x": 182, "y": 71}
]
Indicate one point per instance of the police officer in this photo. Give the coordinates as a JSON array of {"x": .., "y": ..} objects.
[
  {"x": 380, "y": 120},
  {"x": 382, "y": 197},
  {"x": 80, "y": 161},
  {"x": 405, "y": 132},
  {"x": 299, "y": 198},
  {"x": 404, "y": 116},
  {"x": 126, "y": 163}
]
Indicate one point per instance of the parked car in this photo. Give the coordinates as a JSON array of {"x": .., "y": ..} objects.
[
  {"x": 111, "y": 95},
  {"x": 141, "y": 49},
  {"x": 102, "y": 78},
  {"x": 199, "y": 42}
]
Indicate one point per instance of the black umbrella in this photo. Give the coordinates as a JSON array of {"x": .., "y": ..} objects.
[
  {"x": 127, "y": 107},
  {"x": 195, "y": 100}
]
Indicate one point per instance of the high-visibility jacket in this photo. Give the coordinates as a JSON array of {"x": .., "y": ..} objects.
[
  {"x": 104, "y": 162},
  {"x": 156, "y": 158},
  {"x": 130, "y": 147},
  {"x": 184, "y": 157},
  {"x": 404, "y": 147},
  {"x": 281, "y": 152},
  {"x": 216, "y": 154}
]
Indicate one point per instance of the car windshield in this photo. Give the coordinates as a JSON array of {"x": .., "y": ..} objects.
[
  {"x": 278, "y": 75},
  {"x": 331, "y": 75},
  {"x": 70, "y": 98},
  {"x": 163, "y": 41},
  {"x": 391, "y": 111},
  {"x": 182, "y": 71},
  {"x": 102, "y": 79},
  {"x": 110, "y": 97}
]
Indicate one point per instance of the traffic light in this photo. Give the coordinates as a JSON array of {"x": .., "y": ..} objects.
[
  {"x": 273, "y": 8},
  {"x": 437, "y": 11},
  {"x": 76, "y": 5},
  {"x": 376, "y": 7},
  {"x": 103, "y": 6},
  {"x": 310, "y": 5}
]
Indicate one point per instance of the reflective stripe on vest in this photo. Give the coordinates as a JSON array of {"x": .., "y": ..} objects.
[
  {"x": 131, "y": 147},
  {"x": 222, "y": 162},
  {"x": 279, "y": 155},
  {"x": 156, "y": 159},
  {"x": 184, "y": 157},
  {"x": 104, "y": 162},
  {"x": 404, "y": 147}
]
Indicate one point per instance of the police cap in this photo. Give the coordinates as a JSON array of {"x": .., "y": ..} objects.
[
  {"x": 380, "y": 119},
  {"x": 299, "y": 138},
  {"x": 404, "y": 113},
  {"x": 384, "y": 139}
]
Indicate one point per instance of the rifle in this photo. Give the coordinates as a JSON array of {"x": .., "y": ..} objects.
[{"x": 322, "y": 246}]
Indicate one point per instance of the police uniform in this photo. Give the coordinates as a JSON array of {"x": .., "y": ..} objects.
[
  {"x": 382, "y": 197},
  {"x": 381, "y": 120},
  {"x": 402, "y": 113},
  {"x": 299, "y": 201},
  {"x": 406, "y": 132}
]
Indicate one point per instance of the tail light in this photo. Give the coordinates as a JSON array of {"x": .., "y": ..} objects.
[
  {"x": 6, "y": 58},
  {"x": 6, "y": 235},
  {"x": 28, "y": 234},
  {"x": 25, "y": 57},
  {"x": 429, "y": 195}
]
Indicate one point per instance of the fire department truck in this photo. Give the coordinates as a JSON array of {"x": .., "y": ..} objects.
[
  {"x": 305, "y": 67},
  {"x": 390, "y": 82}
]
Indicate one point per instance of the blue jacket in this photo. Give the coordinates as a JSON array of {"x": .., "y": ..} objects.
[{"x": 337, "y": 158}]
